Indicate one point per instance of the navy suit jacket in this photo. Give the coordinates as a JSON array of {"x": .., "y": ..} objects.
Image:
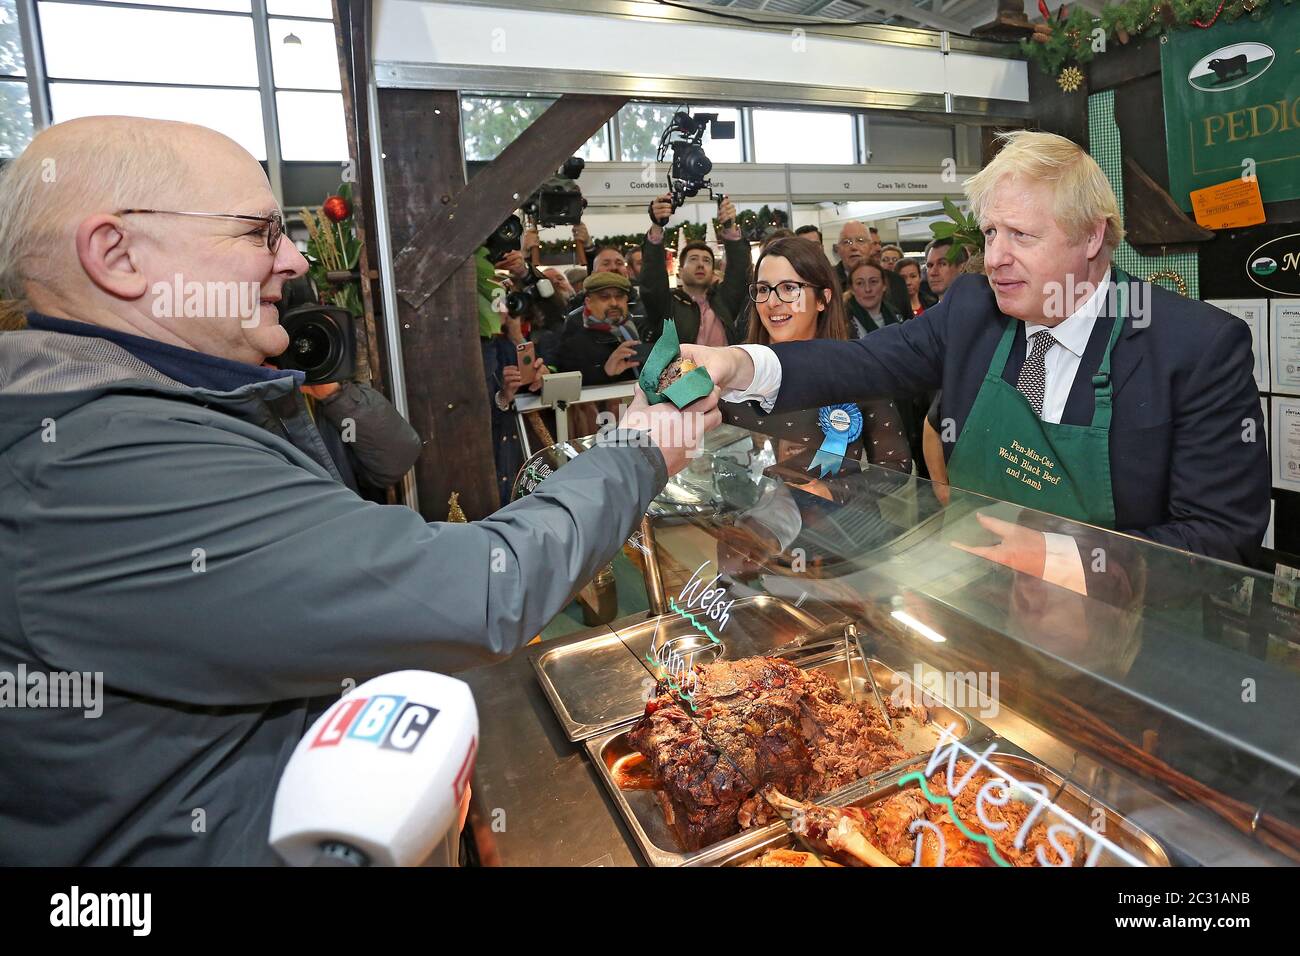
[{"x": 1184, "y": 471}]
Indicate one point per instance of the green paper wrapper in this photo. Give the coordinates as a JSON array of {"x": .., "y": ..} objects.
[{"x": 695, "y": 384}]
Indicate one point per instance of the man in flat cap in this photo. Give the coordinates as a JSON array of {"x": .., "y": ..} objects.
[{"x": 599, "y": 340}]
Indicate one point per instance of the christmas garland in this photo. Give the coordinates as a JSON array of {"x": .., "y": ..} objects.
[
  {"x": 632, "y": 240},
  {"x": 1073, "y": 38}
]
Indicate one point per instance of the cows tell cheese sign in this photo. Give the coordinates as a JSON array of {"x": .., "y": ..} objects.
[{"x": 1232, "y": 105}]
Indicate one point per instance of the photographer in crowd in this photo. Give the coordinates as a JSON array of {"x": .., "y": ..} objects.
[
  {"x": 504, "y": 379},
  {"x": 705, "y": 314},
  {"x": 542, "y": 319},
  {"x": 369, "y": 441}
]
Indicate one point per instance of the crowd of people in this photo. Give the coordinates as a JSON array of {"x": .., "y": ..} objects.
[
  {"x": 174, "y": 520},
  {"x": 602, "y": 317}
]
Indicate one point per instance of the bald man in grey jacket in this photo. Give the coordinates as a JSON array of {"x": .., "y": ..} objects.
[{"x": 173, "y": 531}]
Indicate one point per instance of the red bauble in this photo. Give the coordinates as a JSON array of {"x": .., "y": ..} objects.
[{"x": 336, "y": 209}]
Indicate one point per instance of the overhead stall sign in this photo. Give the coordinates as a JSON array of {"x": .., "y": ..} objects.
[{"x": 1232, "y": 105}]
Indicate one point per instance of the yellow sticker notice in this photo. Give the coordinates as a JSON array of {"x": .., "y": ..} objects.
[{"x": 1229, "y": 205}]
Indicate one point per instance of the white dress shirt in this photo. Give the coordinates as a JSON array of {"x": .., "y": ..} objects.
[
  {"x": 1064, "y": 564},
  {"x": 1061, "y": 363}
]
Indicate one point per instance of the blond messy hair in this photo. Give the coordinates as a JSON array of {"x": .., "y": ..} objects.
[{"x": 1083, "y": 195}]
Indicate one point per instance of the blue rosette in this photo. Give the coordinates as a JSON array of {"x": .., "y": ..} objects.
[{"x": 842, "y": 426}]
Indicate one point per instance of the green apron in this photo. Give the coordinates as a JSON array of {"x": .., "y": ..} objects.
[{"x": 1005, "y": 451}]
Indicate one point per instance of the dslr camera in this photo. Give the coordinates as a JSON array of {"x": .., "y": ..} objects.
[{"x": 530, "y": 290}]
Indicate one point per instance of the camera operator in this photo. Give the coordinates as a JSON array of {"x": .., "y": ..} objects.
[
  {"x": 369, "y": 441},
  {"x": 543, "y": 321},
  {"x": 705, "y": 315}
]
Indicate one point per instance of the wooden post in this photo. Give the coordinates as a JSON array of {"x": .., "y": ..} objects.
[
  {"x": 352, "y": 38},
  {"x": 437, "y": 220},
  {"x": 446, "y": 392}
]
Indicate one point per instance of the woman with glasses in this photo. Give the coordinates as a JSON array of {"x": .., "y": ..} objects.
[
  {"x": 796, "y": 297},
  {"x": 819, "y": 452}
]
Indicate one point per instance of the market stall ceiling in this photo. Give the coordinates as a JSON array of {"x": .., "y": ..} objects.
[
  {"x": 957, "y": 16},
  {"x": 633, "y": 49}
]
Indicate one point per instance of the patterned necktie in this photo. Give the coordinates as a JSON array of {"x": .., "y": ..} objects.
[{"x": 1033, "y": 375}]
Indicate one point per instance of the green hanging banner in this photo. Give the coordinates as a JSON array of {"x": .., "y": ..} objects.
[{"x": 1232, "y": 104}]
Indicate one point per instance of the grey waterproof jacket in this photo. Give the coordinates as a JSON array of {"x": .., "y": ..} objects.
[{"x": 196, "y": 549}]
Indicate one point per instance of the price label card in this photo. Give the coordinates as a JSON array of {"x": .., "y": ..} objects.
[{"x": 1229, "y": 205}]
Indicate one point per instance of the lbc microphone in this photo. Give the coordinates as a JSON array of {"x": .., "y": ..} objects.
[{"x": 380, "y": 777}]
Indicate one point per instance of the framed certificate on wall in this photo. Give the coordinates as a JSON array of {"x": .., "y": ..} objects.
[
  {"x": 1284, "y": 443},
  {"x": 1284, "y": 321}
]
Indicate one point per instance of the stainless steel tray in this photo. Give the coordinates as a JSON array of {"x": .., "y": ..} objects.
[
  {"x": 604, "y": 681},
  {"x": 645, "y": 817},
  {"x": 1071, "y": 800}
]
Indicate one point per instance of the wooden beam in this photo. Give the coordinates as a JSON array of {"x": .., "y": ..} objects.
[
  {"x": 1152, "y": 219},
  {"x": 446, "y": 391},
  {"x": 351, "y": 37},
  {"x": 455, "y": 221},
  {"x": 1123, "y": 63},
  {"x": 1056, "y": 111}
]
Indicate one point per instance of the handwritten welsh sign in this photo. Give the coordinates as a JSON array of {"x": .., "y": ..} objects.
[{"x": 996, "y": 787}]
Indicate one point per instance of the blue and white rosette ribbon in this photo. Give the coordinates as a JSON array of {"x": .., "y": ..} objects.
[{"x": 842, "y": 425}]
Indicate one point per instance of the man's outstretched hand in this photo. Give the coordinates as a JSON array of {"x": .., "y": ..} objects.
[{"x": 677, "y": 433}]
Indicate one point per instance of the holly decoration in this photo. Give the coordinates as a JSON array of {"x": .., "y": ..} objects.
[
  {"x": 1073, "y": 40},
  {"x": 962, "y": 228}
]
